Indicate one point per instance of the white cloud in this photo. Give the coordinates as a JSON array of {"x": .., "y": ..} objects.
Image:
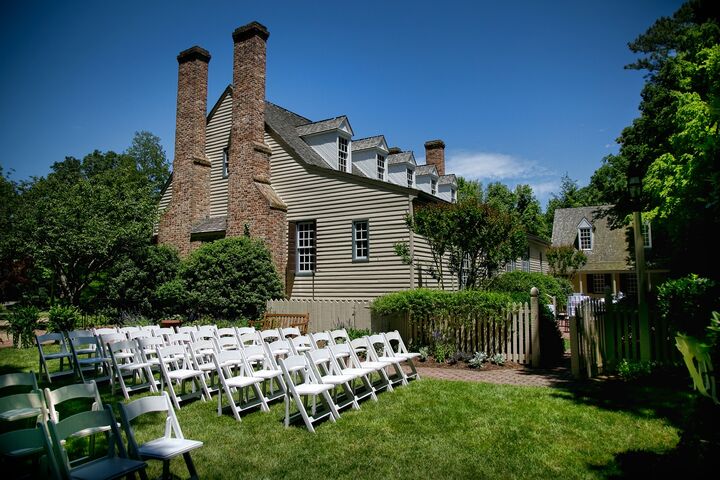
[{"x": 493, "y": 166}]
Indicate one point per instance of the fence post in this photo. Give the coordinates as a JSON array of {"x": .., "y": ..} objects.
[
  {"x": 535, "y": 326},
  {"x": 574, "y": 347}
]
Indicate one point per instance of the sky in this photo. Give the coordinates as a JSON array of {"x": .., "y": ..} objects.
[{"x": 521, "y": 91}]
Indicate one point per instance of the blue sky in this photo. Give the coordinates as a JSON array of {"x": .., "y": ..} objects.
[{"x": 520, "y": 91}]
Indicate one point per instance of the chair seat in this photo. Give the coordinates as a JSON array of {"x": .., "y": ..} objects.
[
  {"x": 123, "y": 355},
  {"x": 166, "y": 448},
  {"x": 115, "y": 467},
  {"x": 391, "y": 359},
  {"x": 55, "y": 356},
  {"x": 92, "y": 360},
  {"x": 91, "y": 431},
  {"x": 280, "y": 351},
  {"x": 409, "y": 355},
  {"x": 242, "y": 381},
  {"x": 302, "y": 349},
  {"x": 337, "y": 379},
  {"x": 265, "y": 374},
  {"x": 183, "y": 374},
  {"x": 357, "y": 372},
  {"x": 375, "y": 365},
  {"x": 133, "y": 366},
  {"x": 255, "y": 358},
  {"x": 19, "y": 413},
  {"x": 312, "y": 388}
]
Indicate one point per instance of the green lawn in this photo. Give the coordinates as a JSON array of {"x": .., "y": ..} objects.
[{"x": 434, "y": 429}]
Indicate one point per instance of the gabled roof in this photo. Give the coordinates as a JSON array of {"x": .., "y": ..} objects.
[
  {"x": 402, "y": 157},
  {"x": 610, "y": 247},
  {"x": 426, "y": 170},
  {"x": 378, "y": 141},
  {"x": 324, "y": 126},
  {"x": 450, "y": 179}
]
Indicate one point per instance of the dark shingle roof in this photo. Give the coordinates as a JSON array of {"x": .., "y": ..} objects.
[
  {"x": 426, "y": 170},
  {"x": 283, "y": 123},
  {"x": 450, "y": 179},
  {"x": 323, "y": 126},
  {"x": 610, "y": 247},
  {"x": 369, "y": 142},
  {"x": 402, "y": 157}
]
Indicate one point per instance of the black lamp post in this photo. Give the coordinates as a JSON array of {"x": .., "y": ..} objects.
[{"x": 635, "y": 191}]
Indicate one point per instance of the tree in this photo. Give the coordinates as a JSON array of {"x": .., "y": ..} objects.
[
  {"x": 674, "y": 144},
  {"x": 469, "y": 189},
  {"x": 12, "y": 266},
  {"x": 150, "y": 159},
  {"x": 570, "y": 196},
  {"x": 522, "y": 203},
  {"x": 565, "y": 261},
  {"x": 82, "y": 217}
]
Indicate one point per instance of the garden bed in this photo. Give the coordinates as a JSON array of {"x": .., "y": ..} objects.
[{"x": 431, "y": 363}]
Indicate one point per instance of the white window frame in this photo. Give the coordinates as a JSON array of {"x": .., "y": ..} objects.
[
  {"x": 585, "y": 232},
  {"x": 433, "y": 186},
  {"x": 343, "y": 153},
  {"x": 647, "y": 235},
  {"x": 410, "y": 177},
  {"x": 358, "y": 241},
  {"x": 305, "y": 247},
  {"x": 381, "y": 167},
  {"x": 526, "y": 261},
  {"x": 225, "y": 162}
]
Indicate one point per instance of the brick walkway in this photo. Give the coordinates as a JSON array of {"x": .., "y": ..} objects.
[{"x": 528, "y": 377}]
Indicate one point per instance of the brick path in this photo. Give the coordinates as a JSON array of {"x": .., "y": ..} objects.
[{"x": 529, "y": 377}]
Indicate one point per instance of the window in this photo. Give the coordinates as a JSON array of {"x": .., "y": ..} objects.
[
  {"x": 598, "y": 282},
  {"x": 453, "y": 195},
  {"x": 361, "y": 240},
  {"x": 381, "y": 167},
  {"x": 647, "y": 235},
  {"x": 433, "y": 187},
  {"x": 305, "y": 247},
  {"x": 225, "y": 165},
  {"x": 628, "y": 284},
  {"x": 410, "y": 177},
  {"x": 526, "y": 261},
  {"x": 585, "y": 238},
  {"x": 510, "y": 266},
  {"x": 342, "y": 154},
  {"x": 464, "y": 271}
]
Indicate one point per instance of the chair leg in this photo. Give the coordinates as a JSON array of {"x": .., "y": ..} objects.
[{"x": 190, "y": 465}]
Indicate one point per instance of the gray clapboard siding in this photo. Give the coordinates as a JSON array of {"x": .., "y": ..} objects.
[{"x": 217, "y": 136}]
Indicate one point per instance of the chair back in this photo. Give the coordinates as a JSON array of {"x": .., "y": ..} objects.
[
  {"x": 228, "y": 343},
  {"x": 52, "y": 338},
  {"x": 105, "y": 330},
  {"x": 126, "y": 330},
  {"x": 249, "y": 338},
  {"x": 139, "y": 334},
  {"x": 179, "y": 338},
  {"x": 187, "y": 329},
  {"x": 151, "y": 404},
  {"x": 394, "y": 338},
  {"x": 26, "y": 442},
  {"x": 226, "y": 332},
  {"x": 55, "y": 397},
  {"x": 292, "y": 332},
  {"x": 270, "y": 335},
  {"x": 321, "y": 339},
  {"x": 341, "y": 335},
  {"x": 19, "y": 379},
  {"x": 243, "y": 330},
  {"x": 23, "y": 405},
  {"x": 301, "y": 344}
]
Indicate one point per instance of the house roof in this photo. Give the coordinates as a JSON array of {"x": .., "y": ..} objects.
[
  {"x": 450, "y": 179},
  {"x": 209, "y": 225},
  {"x": 610, "y": 247},
  {"x": 426, "y": 170},
  {"x": 378, "y": 141},
  {"x": 323, "y": 126},
  {"x": 402, "y": 157}
]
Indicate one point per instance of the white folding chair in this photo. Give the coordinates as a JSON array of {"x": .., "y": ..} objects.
[
  {"x": 301, "y": 344},
  {"x": 126, "y": 330},
  {"x": 340, "y": 336},
  {"x": 249, "y": 338},
  {"x": 279, "y": 348},
  {"x": 306, "y": 386},
  {"x": 176, "y": 368},
  {"x": 106, "y": 338},
  {"x": 87, "y": 350},
  {"x": 142, "y": 333},
  {"x": 184, "y": 338},
  {"x": 127, "y": 361},
  {"x": 32, "y": 443},
  {"x": 187, "y": 329},
  {"x": 377, "y": 344},
  {"x": 165, "y": 448},
  {"x": 23, "y": 405},
  {"x": 226, "y": 332},
  {"x": 148, "y": 350},
  {"x": 19, "y": 379},
  {"x": 327, "y": 371},
  {"x": 114, "y": 464},
  {"x": 243, "y": 330},
  {"x": 104, "y": 330},
  {"x": 321, "y": 339},
  {"x": 263, "y": 365},
  {"x": 95, "y": 361},
  {"x": 150, "y": 328},
  {"x": 393, "y": 338},
  {"x": 164, "y": 332},
  {"x": 360, "y": 346},
  {"x": 238, "y": 382},
  {"x": 270, "y": 335},
  {"x": 291, "y": 332},
  {"x": 59, "y": 351},
  {"x": 203, "y": 335},
  {"x": 351, "y": 366},
  {"x": 228, "y": 343},
  {"x": 201, "y": 353}
]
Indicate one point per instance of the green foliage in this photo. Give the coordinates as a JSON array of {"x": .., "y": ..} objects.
[
  {"x": 63, "y": 318},
  {"x": 424, "y": 352},
  {"x": 630, "y": 370},
  {"x": 23, "y": 322},
  {"x": 687, "y": 303},
  {"x": 469, "y": 189},
  {"x": 478, "y": 360},
  {"x": 443, "y": 349},
  {"x": 171, "y": 298},
  {"x": 565, "y": 260},
  {"x": 498, "y": 359},
  {"x": 521, "y": 282},
  {"x": 354, "y": 333},
  {"x": 151, "y": 160},
  {"x": 145, "y": 282},
  {"x": 570, "y": 196},
  {"x": 522, "y": 204},
  {"x": 230, "y": 278}
]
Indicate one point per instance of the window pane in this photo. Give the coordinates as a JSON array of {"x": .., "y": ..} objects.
[
  {"x": 361, "y": 242},
  {"x": 305, "y": 246}
]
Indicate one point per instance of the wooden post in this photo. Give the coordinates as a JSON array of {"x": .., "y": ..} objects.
[
  {"x": 535, "y": 326},
  {"x": 644, "y": 324},
  {"x": 574, "y": 348}
]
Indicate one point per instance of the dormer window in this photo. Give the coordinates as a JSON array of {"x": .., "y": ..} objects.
[
  {"x": 225, "y": 164},
  {"x": 342, "y": 154},
  {"x": 410, "y": 177},
  {"x": 585, "y": 236},
  {"x": 380, "y": 167},
  {"x": 453, "y": 195},
  {"x": 433, "y": 187}
]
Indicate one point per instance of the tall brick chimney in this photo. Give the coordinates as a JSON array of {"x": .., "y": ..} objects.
[
  {"x": 435, "y": 155},
  {"x": 252, "y": 201},
  {"x": 191, "y": 169}
]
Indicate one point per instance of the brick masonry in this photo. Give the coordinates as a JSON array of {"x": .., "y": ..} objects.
[
  {"x": 191, "y": 170},
  {"x": 249, "y": 156},
  {"x": 435, "y": 155}
]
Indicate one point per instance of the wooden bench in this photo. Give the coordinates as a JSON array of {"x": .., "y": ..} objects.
[{"x": 283, "y": 320}]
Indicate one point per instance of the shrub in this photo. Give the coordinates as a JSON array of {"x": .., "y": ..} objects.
[
  {"x": 477, "y": 360},
  {"x": 230, "y": 278},
  {"x": 522, "y": 282},
  {"x": 498, "y": 359},
  {"x": 23, "y": 322},
  {"x": 424, "y": 353},
  {"x": 634, "y": 370},
  {"x": 354, "y": 333},
  {"x": 63, "y": 318},
  {"x": 687, "y": 303},
  {"x": 171, "y": 298}
]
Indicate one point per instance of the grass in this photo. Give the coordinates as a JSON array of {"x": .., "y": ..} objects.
[{"x": 430, "y": 429}]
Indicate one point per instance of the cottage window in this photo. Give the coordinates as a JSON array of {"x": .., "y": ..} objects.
[
  {"x": 381, "y": 167},
  {"x": 647, "y": 235},
  {"x": 433, "y": 187},
  {"x": 464, "y": 271},
  {"x": 342, "y": 154},
  {"x": 585, "y": 238},
  {"x": 410, "y": 177},
  {"x": 361, "y": 240},
  {"x": 305, "y": 247},
  {"x": 225, "y": 165},
  {"x": 453, "y": 195},
  {"x": 526, "y": 261},
  {"x": 598, "y": 282},
  {"x": 629, "y": 284}
]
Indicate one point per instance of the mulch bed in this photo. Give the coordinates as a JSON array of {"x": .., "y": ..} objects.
[{"x": 431, "y": 363}]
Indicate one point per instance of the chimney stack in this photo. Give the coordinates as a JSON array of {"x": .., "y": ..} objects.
[
  {"x": 191, "y": 169},
  {"x": 394, "y": 150},
  {"x": 435, "y": 155},
  {"x": 252, "y": 201}
]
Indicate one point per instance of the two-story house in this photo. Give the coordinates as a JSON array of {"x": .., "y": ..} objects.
[{"x": 329, "y": 206}]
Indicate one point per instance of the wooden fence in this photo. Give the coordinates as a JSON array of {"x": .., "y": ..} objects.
[
  {"x": 516, "y": 334},
  {"x": 603, "y": 334}
]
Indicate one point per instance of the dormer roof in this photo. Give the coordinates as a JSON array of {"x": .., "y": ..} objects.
[
  {"x": 402, "y": 157},
  {"x": 337, "y": 123},
  {"x": 584, "y": 223},
  {"x": 422, "y": 170},
  {"x": 378, "y": 142},
  {"x": 448, "y": 180}
]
